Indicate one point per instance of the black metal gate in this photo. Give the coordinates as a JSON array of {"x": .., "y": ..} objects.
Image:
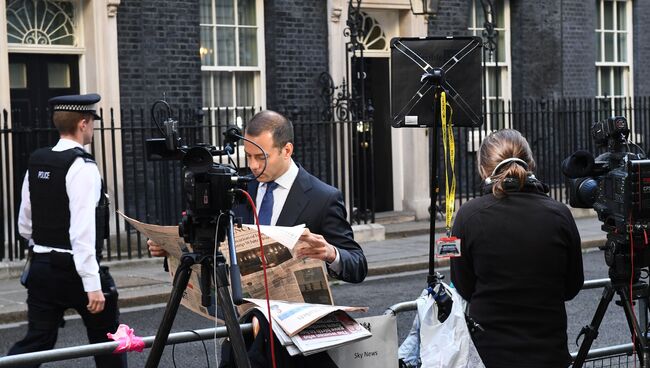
[{"x": 348, "y": 103}]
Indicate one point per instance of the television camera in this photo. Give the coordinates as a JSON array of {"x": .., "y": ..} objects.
[
  {"x": 616, "y": 184},
  {"x": 209, "y": 191}
]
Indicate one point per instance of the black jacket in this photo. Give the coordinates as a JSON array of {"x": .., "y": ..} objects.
[{"x": 521, "y": 260}]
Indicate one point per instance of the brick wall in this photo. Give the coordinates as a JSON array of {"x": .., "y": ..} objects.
[
  {"x": 296, "y": 52},
  {"x": 641, "y": 48},
  {"x": 452, "y": 19},
  {"x": 579, "y": 48},
  {"x": 158, "y": 50},
  {"x": 536, "y": 48}
]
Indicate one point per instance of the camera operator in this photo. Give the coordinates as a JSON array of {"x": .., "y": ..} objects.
[
  {"x": 521, "y": 260},
  {"x": 287, "y": 195},
  {"x": 64, "y": 214}
]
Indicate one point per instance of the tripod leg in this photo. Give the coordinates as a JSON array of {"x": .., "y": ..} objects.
[
  {"x": 183, "y": 273},
  {"x": 643, "y": 313},
  {"x": 640, "y": 342},
  {"x": 232, "y": 324},
  {"x": 591, "y": 331}
]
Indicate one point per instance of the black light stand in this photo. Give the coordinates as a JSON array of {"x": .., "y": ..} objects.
[
  {"x": 436, "y": 79},
  {"x": 224, "y": 301},
  {"x": 457, "y": 77}
]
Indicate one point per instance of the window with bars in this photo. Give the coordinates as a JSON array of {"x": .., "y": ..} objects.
[
  {"x": 497, "y": 75},
  {"x": 614, "y": 52},
  {"x": 231, "y": 58}
]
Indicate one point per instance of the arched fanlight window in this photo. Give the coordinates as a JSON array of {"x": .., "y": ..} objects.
[
  {"x": 41, "y": 22},
  {"x": 374, "y": 35}
]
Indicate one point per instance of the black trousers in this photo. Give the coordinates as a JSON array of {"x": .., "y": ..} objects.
[{"x": 53, "y": 286}]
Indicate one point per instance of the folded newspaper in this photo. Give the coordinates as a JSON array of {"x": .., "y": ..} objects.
[
  {"x": 306, "y": 329},
  {"x": 289, "y": 278}
]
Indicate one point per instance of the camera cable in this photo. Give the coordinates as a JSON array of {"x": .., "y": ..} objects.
[
  {"x": 205, "y": 349},
  {"x": 634, "y": 332},
  {"x": 153, "y": 115},
  {"x": 266, "y": 287},
  {"x": 266, "y": 159},
  {"x": 216, "y": 300}
]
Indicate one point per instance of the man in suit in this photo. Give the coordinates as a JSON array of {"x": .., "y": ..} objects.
[
  {"x": 285, "y": 194},
  {"x": 297, "y": 197}
]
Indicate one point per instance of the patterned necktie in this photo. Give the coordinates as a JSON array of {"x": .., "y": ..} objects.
[{"x": 266, "y": 208}]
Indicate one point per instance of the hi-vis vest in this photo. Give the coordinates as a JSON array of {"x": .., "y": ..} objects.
[{"x": 49, "y": 199}]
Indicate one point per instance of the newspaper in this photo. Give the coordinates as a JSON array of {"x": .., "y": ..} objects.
[
  {"x": 167, "y": 237},
  {"x": 289, "y": 278},
  {"x": 311, "y": 328}
]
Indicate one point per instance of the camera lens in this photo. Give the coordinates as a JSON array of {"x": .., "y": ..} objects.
[{"x": 587, "y": 190}]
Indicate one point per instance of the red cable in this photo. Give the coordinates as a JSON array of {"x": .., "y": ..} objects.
[
  {"x": 266, "y": 285},
  {"x": 631, "y": 285}
]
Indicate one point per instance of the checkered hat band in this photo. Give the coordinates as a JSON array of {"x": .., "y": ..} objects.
[{"x": 80, "y": 108}]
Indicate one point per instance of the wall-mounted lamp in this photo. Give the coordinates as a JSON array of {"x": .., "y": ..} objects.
[{"x": 424, "y": 7}]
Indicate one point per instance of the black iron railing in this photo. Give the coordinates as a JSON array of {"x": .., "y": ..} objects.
[
  {"x": 150, "y": 191},
  {"x": 554, "y": 129}
]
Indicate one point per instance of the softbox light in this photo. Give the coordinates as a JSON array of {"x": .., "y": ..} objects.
[{"x": 420, "y": 66}]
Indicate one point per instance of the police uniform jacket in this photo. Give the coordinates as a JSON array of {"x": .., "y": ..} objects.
[{"x": 83, "y": 187}]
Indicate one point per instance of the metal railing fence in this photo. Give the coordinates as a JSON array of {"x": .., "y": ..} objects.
[
  {"x": 615, "y": 356},
  {"x": 150, "y": 191},
  {"x": 618, "y": 356},
  {"x": 554, "y": 129}
]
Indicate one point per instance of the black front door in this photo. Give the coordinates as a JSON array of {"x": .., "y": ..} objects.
[
  {"x": 378, "y": 90},
  {"x": 34, "y": 79}
]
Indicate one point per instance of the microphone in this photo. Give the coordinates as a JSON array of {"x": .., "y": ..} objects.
[
  {"x": 578, "y": 165},
  {"x": 231, "y": 136}
]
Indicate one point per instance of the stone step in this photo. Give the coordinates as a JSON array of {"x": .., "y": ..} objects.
[
  {"x": 394, "y": 217},
  {"x": 407, "y": 229}
]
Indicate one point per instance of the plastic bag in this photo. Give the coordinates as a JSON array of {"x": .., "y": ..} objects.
[{"x": 447, "y": 344}]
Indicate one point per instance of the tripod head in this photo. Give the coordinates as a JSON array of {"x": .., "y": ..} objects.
[{"x": 618, "y": 258}]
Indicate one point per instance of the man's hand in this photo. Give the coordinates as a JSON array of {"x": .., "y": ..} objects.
[
  {"x": 315, "y": 246},
  {"x": 95, "y": 301},
  {"x": 155, "y": 249}
]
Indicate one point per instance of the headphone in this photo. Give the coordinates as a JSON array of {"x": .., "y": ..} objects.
[{"x": 519, "y": 161}]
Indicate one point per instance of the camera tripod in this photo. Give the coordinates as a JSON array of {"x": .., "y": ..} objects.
[
  {"x": 620, "y": 284},
  {"x": 208, "y": 263}
]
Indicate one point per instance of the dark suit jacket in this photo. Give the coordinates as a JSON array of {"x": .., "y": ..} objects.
[{"x": 320, "y": 207}]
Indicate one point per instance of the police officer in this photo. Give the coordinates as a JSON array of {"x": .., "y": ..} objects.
[{"x": 64, "y": 216}]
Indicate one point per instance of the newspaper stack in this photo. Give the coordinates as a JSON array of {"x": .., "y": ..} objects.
[{"x": 307, "y": 329}]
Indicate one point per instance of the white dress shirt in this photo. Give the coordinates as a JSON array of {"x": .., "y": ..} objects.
[
  {"x": 83, "y": 186},
  {"x": 280, "y": 194}
]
